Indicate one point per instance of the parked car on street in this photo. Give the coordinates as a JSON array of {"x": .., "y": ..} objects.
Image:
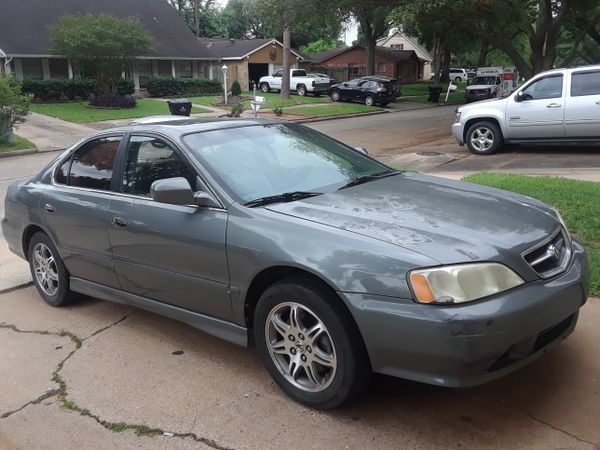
[
  {"x": 370, "y": 90},
  {"x": 454, "y": 75},
  {"x": 492, "y": 82},
  {"x": 332, "y": 264},
  {"x": 558, "y": 106},
  {"x": 300, "y": 81}
]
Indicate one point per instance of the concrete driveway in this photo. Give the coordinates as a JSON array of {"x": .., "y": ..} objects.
[{"x": 98, "y": 375}]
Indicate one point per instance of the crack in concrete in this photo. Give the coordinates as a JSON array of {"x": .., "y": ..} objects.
[
  {"x": 14, "y": 288},
  {"x": 596, "y": 445},
  {"x": 61, "y": 393}
]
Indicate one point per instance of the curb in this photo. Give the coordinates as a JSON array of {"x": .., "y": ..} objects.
[
  {"x": 343, "y": 116},
  {"x": 28, "y": 151}
]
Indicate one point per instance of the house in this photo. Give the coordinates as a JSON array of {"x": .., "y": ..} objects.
[
  {"x": 399, "y": 40},
  {"x": 348, "y": 63},
  {"x": 25, "y": 44}
]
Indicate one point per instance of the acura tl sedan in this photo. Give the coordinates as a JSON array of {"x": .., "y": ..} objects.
[{"x": 332, "y": 264}]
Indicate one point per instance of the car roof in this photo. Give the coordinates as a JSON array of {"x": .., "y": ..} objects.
[{"x": 176, "y": 126}]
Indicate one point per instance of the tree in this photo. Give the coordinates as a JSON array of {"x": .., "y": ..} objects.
[
  {"x": 14, "y": 106},
  {"x": 321, "y": 45},
  {"x": 235, "y": 19},
  {"x": 104, "y": 45}
]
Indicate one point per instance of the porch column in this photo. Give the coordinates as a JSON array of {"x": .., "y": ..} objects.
[
  {"x": 155, "y": 67},
  {"x": 70, "y": 68},
  {"x": 45, "y": 69},
  {"x": 18, "y": 69},
  {"x": 210, "y": 71},
  {"x": 6, "y": 64},
  {"x": 135, "y": 74},
  {"x": 173, "y": 73}
]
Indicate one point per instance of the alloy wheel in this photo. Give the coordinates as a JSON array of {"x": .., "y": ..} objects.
[
  {"x": 45, "y": 269},
  {"x": 335, "y": 96},
  {"x": 301, "y": 347},
  {"x": 482, "y": 139},
  {"x": 369, "y": 101}
]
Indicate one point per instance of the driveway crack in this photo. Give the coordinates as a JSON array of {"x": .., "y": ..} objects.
[{"x": 60, "y": 393}]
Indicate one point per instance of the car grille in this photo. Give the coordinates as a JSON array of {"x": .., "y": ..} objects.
[{"x": 551, "y": 256}]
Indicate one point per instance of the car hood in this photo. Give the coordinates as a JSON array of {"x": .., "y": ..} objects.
[{"x": 446, "y": 220}]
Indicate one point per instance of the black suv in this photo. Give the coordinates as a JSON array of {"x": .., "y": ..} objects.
[{"x": 370, "y": 90}]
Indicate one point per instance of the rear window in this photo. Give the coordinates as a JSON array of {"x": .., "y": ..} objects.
[{"x": 585, "y": 83}]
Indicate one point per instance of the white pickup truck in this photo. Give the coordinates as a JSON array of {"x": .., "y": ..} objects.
[{"x": 300, "y": 82}]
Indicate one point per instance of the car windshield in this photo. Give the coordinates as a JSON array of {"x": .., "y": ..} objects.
[
  {"x": 484, "y": 80},
  {"x": 253, "y": 162}
]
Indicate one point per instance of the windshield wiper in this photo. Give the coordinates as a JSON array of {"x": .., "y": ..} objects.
[
  {"x": 366, "y": 178},
  {"x": 280, "y": 198}
]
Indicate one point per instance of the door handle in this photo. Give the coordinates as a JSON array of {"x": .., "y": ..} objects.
[
  {"x": 120, "y": 221},
  {"x": 553, "y": 105},
  {"x": 49, "y": 207}
]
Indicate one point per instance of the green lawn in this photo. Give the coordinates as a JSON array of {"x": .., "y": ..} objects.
[
  {"x": 79, "y": 112},
  {"x": 18, "y": 144},
  {"x": 272, "y": 100},
  {"x": 577, "y": 201},
  {"x": 453, "y": 99},
  {"x": 332, "y": 110},
  {"x": 423, "y": 87}
]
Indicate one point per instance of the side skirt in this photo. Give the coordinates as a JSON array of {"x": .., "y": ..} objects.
[{"x": 217, "y": 327}]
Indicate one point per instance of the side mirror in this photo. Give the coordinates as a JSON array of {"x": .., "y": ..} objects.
[
  {"x": 177, "y": 191},
  {"x": 519, "y": 96},
  {"x": 362, "y": 150}
]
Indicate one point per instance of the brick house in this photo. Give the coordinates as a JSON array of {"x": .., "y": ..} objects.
[
  {"x": 399, "y": 40},
  {"x": 25, "y": 44},
  {"x": 348, "y": 63}
]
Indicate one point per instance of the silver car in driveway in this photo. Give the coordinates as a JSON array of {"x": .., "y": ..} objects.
[
  {"x": 332, "y": 264},
  {"x": 558, "y": 106}
]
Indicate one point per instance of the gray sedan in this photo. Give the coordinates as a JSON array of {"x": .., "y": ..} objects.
[{"x": 332, "y": 264}]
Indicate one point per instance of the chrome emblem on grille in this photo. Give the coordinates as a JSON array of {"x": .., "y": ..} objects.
[{"x": 554, "y": 252}]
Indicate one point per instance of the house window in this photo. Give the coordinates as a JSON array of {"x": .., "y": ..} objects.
[
  {"x": 59, "y": 68},
  {"x": 164, "y": 68},
  {"x": 32, "y": 68},
  {"x": 352, "y": 70},
  {"x": 183, "y": 69},
  {"x": 380, "y": 67},
  {"x": 144, "y": 73},
  {"x": 397, "y": 46}
]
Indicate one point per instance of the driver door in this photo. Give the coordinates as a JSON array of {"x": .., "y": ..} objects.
[
  {"x": 277, "y": 80},
  {"x": 540, "y": 114},
  {"x": 170, "y": 253}
]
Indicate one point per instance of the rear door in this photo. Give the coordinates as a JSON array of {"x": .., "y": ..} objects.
[
  {"x": 583, "y": 105},
  {"x": 75, "y": 208},
  {"x": 541, "y": 114},
  {"x": 170, "y": 253}
]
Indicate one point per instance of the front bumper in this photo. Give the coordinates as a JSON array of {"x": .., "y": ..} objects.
[
  {"x": 471, "y": 344},
  {"x": 458, "y": 132}
]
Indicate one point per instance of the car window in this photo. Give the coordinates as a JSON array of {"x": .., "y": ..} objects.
[
  {"x": 91, "y": 165},
  {"x": 354, "y": 82},
  {"x": 548, "y": 87},
  {"x": 256, "y": 161},
  {"x": 585, "y": 83},
  {"x": 278, "y": 74},
  {"x": 149, "y": 159},
  {"x": 369, "y": 85}
]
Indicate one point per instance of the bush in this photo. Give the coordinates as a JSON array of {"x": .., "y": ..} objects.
[
  {"x": 278, "y": 111},
  {"x": 14, "y": 106},
  {"x": 170, "y": 87},
  {"x": 237, "y": 109},
  {"x": 236, "y": 89},
  {"x": 112, "y": 101},
  {"x": 59, "y": 89}
]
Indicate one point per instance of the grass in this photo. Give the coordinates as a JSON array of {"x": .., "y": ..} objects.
[
  {"x": 577, "y": 201},
  {"x": 423, "y": 87},
  {"x": 334, "y": 109},
  {"x": 453, "y": 99},
  {"x": 79, "y": 112},
  {"x": 18, "y": 144},
  {"x": 272, "y": 100}
]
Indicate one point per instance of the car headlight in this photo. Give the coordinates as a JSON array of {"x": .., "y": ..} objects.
[
  {"x": 461, "y": 283},
  {"x": 457, "y": 117}
]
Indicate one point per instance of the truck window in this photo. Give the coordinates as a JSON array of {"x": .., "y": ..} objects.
[
  {"x": 545, "y": 88},
  {"x": 585, "y": 83},
  {"x": 278, "y": 74},
  {"x": 298, "y": 73}
]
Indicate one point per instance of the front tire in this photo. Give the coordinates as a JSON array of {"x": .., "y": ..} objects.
[
  {"x": 484, "y": 138},
  {"x": 369, "y": 100},
  {"x": 335, "y": 96},
  {"x": 301, "y": 90},
  {"x": 265, "y": 88},
  {"x": 49, "y": 273},
  {"x": 458, "y": 79},
  {"x": 309, "y": 344}
]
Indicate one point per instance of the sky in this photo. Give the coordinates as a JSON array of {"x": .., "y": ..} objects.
[{"x": 349, "y": 36}]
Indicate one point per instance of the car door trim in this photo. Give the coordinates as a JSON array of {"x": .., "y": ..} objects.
[{"x": 217, "y": 327}]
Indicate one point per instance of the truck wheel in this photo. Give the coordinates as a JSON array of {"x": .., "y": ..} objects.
[
  {"x": 301, "y": 90},
  {"x": 265, "y": 87},
  {"x": 483, "y": 138}
]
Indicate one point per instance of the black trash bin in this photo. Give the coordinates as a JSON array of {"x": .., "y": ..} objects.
[
  {"x": 434, "y": 94},
  {"x": 180, "y": 107}
]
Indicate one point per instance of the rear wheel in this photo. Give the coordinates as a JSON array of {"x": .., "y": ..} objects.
[
  {"x": 458, "y": 79},
  {"x": 309, "y": 344},
  {"x": 335, "y": 96},
  {"x": 483, "y": 138},
  {"x": 49, "y": 273},
  {"x": 265, "y": 87},
  {"x": 369, "y": 100},
  {"x": 301, "y": 90}
]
